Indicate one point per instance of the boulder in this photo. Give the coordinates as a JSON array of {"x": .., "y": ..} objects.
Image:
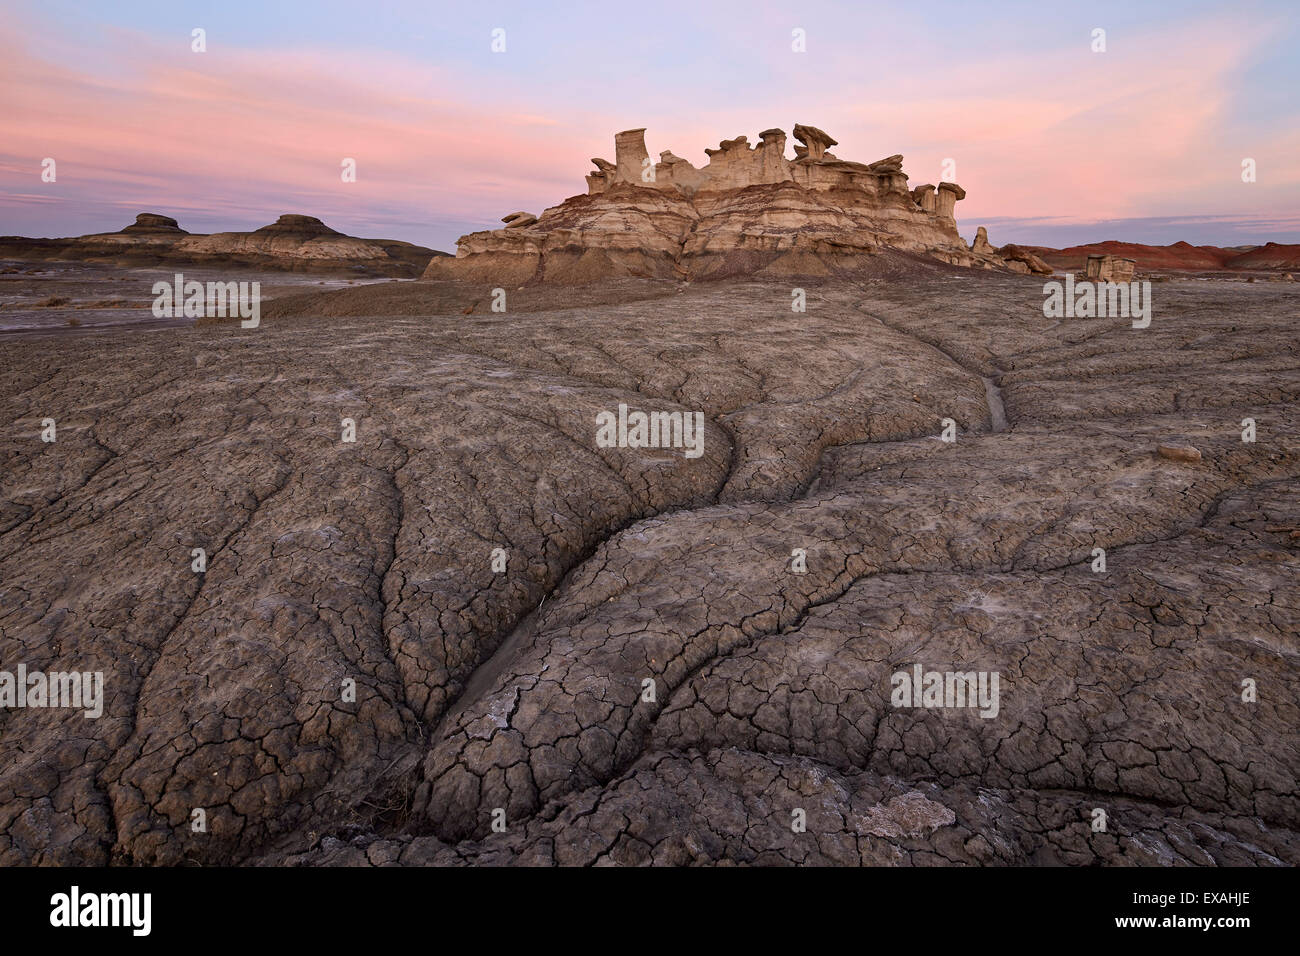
[
  {"x": 1012, "y": 253},
  {"x": 1179, "y": 452}
]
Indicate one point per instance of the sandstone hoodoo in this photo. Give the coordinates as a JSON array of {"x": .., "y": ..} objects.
[{"x": 748, "y": 210}]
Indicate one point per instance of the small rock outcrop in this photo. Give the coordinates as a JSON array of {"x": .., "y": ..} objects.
[
  {"x": 1015, "y": 256},
  {"x": 813, "y": 143},
  {"x": 1105, "y": 268},
  {"x": 748, "y": 210}
]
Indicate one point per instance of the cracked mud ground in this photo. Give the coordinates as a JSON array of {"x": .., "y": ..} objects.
[{"x": 523, "y": 691}]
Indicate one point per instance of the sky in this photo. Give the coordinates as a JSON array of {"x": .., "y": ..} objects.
[{"x": 1055, "y": 142}]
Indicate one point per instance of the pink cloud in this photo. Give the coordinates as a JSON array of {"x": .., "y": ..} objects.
[
  {"x": 183, "y": 130},
  {"x": 251, "y": 133}
]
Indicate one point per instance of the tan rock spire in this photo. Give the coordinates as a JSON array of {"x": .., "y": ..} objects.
[{"x": 749, "y": 208}]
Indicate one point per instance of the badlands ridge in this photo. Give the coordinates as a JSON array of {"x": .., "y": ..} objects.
[
  {"x": 748, "y": 211},
  {"x": 292, "y": 243}
]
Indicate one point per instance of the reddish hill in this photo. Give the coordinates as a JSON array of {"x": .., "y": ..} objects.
[
  {"x": 1181, "y": 255},
  {"x": 1272, "y": 256}
]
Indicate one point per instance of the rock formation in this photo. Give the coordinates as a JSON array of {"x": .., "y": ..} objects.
[
  {"x": 1014, "y": 257},
  {"x": 300, "y": 227},
  {"x": 1105, "y": 268},
  {"x": 149, "y": 223},
  {"x": 748, "y": 210},
  {"x": 293, "y": 243},
  {"x": 1022, "y": 260},
  {"x": 815, "y": 143}
]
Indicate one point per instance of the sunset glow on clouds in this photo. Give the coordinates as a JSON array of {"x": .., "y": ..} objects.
[{"x": 1054, "y": 143}]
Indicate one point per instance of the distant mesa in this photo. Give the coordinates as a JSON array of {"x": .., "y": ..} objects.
[
  {"x": 292, "y": 225},
  {"x": 293, "y": 243},
  {"x": 748, "y": 210},
  {"x": 152, "y": 224}
]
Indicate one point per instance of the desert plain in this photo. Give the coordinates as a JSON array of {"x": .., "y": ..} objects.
[{"x": 473, "y": 635}]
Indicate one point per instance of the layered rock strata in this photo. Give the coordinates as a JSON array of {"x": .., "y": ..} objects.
[
  {"x": 1105, "y": 268},
  {"x": 293, "y": 243},
  {"x": 748, "y": 210}
]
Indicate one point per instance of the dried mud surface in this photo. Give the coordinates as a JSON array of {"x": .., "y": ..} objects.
[{"x": 521, "y": 696}]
